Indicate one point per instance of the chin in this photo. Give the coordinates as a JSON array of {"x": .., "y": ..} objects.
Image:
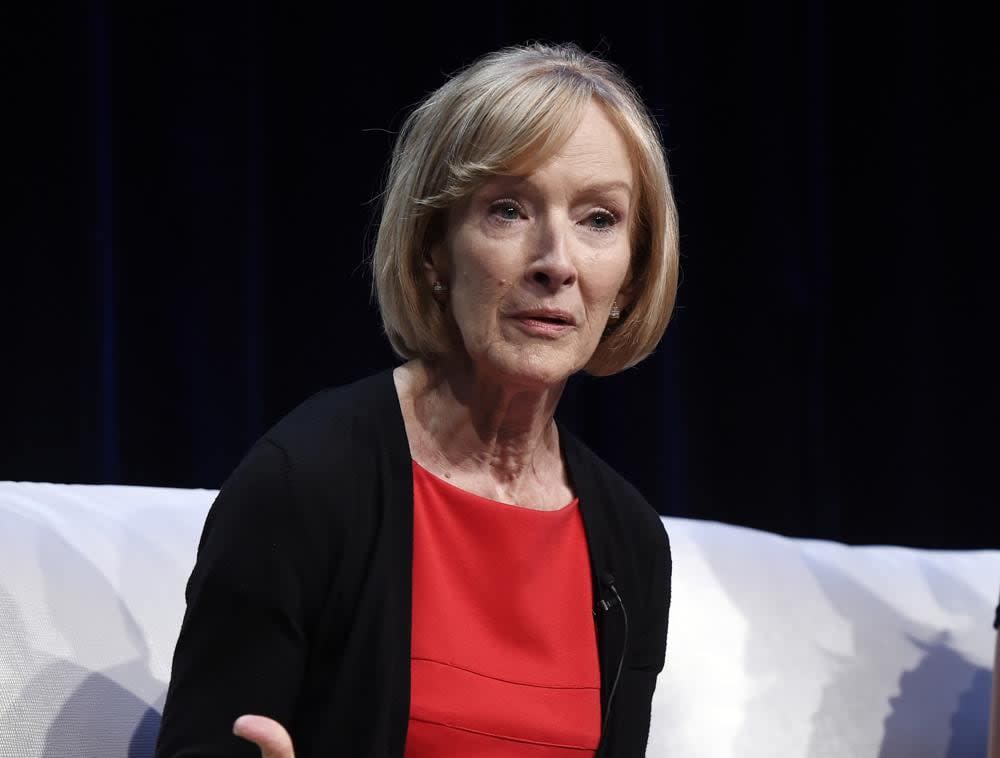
[{"x": 534, "y": 368}]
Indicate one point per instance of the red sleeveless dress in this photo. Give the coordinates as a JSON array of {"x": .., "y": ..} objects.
[{"x": 504, "y": 652}]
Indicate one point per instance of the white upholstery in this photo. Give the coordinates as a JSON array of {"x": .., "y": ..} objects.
[
  {"x": 781, "y": 647},
  {"x": 777, "y": 647}
]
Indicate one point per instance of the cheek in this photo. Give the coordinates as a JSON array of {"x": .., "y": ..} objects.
[
  {"x": 477, "y": 286},
  {"x": 477, "y": 294},
  {"x": 479, "y": 274},
  {"x": 607, "y": 275}
]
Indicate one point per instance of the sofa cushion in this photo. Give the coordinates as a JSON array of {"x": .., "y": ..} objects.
[
  {"x": 783, "y": 647},
  {"x": 777, "y": 647}
]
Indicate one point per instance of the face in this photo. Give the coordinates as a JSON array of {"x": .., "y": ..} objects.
[{"x": 534, "y": 262}]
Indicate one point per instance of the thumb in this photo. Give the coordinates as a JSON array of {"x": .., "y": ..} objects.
[{"x": 267, "y": 734}]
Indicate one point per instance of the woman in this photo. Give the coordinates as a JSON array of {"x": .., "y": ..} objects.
[
  {"x": 424, "y": 562},
  {"x": 994, "y": 746}
]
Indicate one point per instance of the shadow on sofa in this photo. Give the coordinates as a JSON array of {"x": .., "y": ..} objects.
[
  {"x": 940, "y": 670},
  {"x": 941, "y": 704},
  {"x": 99, "y": 719},
  {"x": 840, "y": 673},
  {"x": 102, "y": 714}
]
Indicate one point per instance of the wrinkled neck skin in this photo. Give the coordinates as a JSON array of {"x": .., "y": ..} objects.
[{"x": 488, "y": 434}]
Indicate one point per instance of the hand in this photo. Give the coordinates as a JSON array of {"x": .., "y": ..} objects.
[{"x": 265, "y": 733}]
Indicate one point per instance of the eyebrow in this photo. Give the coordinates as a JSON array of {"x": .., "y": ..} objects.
[
  {"x": 592, "y": 188},
  {"x": 598, "y": 187}
]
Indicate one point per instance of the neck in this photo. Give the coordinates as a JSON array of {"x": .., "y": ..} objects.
[{"x": 471, "y": 422}]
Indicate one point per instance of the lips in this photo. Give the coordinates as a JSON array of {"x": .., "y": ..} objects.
[
  {"x": 544, "y": 323},
  {"x": 552, "y": 316}
]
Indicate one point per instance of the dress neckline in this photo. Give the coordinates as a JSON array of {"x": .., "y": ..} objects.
[{"x": 496, "y": 503}]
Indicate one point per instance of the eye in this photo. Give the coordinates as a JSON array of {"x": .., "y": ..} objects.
[
  {"x": 602, "y": 220},
  {"x": 506, "y": 210}
]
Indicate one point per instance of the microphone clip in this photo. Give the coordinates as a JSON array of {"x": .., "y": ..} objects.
[
  {"x": 608, "y": 582},
  {"x": 606, "y": 606}
]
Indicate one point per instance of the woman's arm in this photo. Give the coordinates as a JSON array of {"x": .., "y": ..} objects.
[
  {"x": 995, "y": 708},
  {"x": 631, "y": 711},
  {"x": 243, "y": 642}
]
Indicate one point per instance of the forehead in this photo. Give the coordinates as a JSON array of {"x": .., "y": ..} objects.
[{"x": 595, "y": 152}]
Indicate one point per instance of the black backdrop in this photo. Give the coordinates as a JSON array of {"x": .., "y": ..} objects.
[{"x": 192, "y": 202}]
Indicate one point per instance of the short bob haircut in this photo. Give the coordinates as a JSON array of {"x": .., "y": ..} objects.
[{"x": 517, "y": 105}]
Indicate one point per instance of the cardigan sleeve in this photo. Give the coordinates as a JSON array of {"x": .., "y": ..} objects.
[
  {"x": 651, "y": 639},
  {"x": 646, "y": 654},
  {"x": 243, "y": 641}
]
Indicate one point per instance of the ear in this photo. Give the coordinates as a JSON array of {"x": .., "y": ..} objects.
[
  {"x": 626, "y": 292},
  {"x": 435, "y": 254},
  {"x": 433, "y": 264}
]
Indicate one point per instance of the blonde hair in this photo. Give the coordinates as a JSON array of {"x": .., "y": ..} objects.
[{"x": 515, "y": 104}]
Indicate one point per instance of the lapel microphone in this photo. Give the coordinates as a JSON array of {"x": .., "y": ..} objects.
[{"x": 608, "y": 582}]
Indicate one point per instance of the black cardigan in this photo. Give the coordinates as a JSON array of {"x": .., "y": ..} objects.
[{"x": 298, "y": 607}]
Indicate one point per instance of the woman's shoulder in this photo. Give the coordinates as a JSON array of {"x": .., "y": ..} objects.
[
  {"x": 338, "y": 419},
  {"x": 320, "y": 452},
  {"x": 593, "y": 476},
  {"x": 326, "y": 442}
]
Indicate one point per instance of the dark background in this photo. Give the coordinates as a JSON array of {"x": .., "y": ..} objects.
[{"x": 192, "y": 199}]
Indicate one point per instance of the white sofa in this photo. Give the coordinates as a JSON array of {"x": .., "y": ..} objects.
[{"x": 777, "y": 648}]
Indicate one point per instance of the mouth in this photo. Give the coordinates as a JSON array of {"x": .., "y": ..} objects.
[
  {"x": 544, "y": 324},
  {"x": 547, "y": 316}
]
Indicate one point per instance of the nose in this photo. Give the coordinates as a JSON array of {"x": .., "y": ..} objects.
[{"x": 551, "y": 266}]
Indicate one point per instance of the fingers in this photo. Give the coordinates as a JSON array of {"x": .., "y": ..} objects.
[{"x": 267, "y": 734}]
